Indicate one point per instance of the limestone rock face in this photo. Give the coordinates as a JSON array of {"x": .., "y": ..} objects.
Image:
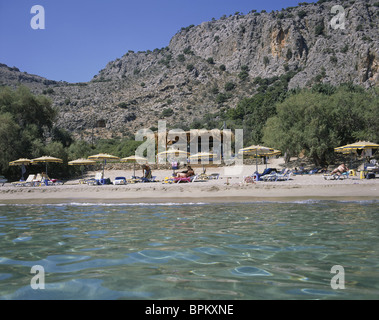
[{"x": 210, "y": 67}]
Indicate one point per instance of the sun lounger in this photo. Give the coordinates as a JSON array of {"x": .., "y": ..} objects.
[
  {"x": 119, "y": 180},
  {"x": 335, "y": 176},
  {"x": 26, "y": 183},
  {"x": 152, "y": 179},
  {"x": 269, "y": 177},
  {"x": 182, "y": 179},
  {"x": 283, "y": 177},
  {"x": 92, "y": 182},
  {"x": 185, "y": 179},
  {"x": 3, "y": 180}
]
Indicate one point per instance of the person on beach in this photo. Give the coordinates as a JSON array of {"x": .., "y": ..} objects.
[
  {"x": 146, "y": 171},
  {"x": 186, "y": 173},
  {"x": 341, "y": 169}
]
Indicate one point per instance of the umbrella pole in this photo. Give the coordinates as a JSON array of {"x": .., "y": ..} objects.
[{"x": 256, "y": 160}]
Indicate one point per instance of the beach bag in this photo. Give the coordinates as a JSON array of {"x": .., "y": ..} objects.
[
  {"x": 370, "y": 175},
  {"x": 174, "y": 165}
]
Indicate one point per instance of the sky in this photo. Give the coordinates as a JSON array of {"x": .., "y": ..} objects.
[{"x": 81, "y": 36}]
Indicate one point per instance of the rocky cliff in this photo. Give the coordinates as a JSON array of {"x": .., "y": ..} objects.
[{"x": 211, "y": 66}]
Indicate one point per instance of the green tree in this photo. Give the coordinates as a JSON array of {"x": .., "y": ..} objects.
[
  {"x": 26, "y": 120},
  {"x": 9, "y": 140},
  {"x": 317, "y": 122}
]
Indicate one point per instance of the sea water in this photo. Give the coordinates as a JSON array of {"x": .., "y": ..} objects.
[{"x": 257, "y": 250}]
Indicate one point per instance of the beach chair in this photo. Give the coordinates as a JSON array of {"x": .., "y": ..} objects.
[
  {"x": 213, "y": 176},
  {"x": 92, "y": 182},
  {"x": 185, "y": 179},
  {"x": 335, "y": 176},
  {"x": 27, "y": 182},
  {"x": 202, "y": 177},
  {"x": 151, "y": 179},
  {"x": 99, "y": 177},
  {"x": 328, "y": 176},
  {"x": 3, "y": 180},
  {"x": 283, "y": 177},
  {"x": 269, "y": 177},
  {"x": 119, "y": 180},
  {"x": 55, "y": 182}
]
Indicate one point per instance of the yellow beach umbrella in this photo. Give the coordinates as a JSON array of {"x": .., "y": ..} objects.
[
  {"x": 209, "y": 156},
  {"x": 21, "y": 162},
  {"x": 174, "y": 152},
  {"x": 104, "y": 157},
  {"x": 179, "y": 154},
  {"x": 81, "y": 162},
  {"x": 47, "y": 159},
  {"x": 360, "y": 145},
  {"x": 134, "y": 159},
  {"x": 256, "y": 150}
]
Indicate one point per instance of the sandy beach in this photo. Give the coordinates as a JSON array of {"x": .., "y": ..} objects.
[{"x": 228, "y": 188}]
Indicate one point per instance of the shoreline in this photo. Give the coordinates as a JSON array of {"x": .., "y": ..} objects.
[
  {"x": 229, "y": 188},
  {"x": 217, "y": 191}
]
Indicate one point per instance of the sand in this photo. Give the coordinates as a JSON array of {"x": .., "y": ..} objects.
[{"x": 228, "y": 188}]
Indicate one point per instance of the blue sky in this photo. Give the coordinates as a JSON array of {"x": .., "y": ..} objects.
[{"x": 82, "y": 36}]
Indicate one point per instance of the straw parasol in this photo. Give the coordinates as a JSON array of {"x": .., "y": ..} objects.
[
  {"x": 134, "y": 159},
  {"x": 360, "y": 145},
  {"x": 46, "y": 160},
  {"x": 81, "y": 162},
  {"x": 209, "y": 156},
  {"x": 174, "y": 153},
  {"x": 104, "y": 157},
  {"x": 21, "y": 162},
  {"x": 257, "y": 150}
]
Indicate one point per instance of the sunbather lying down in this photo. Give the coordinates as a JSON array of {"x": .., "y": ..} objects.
[
  {"x": 340, "y": 170},
  {"x": 186, "y": 173}
]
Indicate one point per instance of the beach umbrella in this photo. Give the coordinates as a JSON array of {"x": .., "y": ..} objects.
[
  {"x": 134, "y": 159},
  {"x": 21, "y": 162},
  {"x": 174, "y": 153},
  {"x": 46, "y": 160},
  {"x": 256, "y": 150},
  {"x": 360, "y": 145},
  {"x": 270, "y": 154},
  {"x": 209, "y": 156},
  {"x": 81, "y": 162},
  {"x": 104, "y": 157}
]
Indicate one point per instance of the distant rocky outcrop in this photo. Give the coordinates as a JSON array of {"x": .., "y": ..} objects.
[{"x": 210, "y": 67}]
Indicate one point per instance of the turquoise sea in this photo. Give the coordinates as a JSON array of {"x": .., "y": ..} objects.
[{"x": 235, "y": 251}]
